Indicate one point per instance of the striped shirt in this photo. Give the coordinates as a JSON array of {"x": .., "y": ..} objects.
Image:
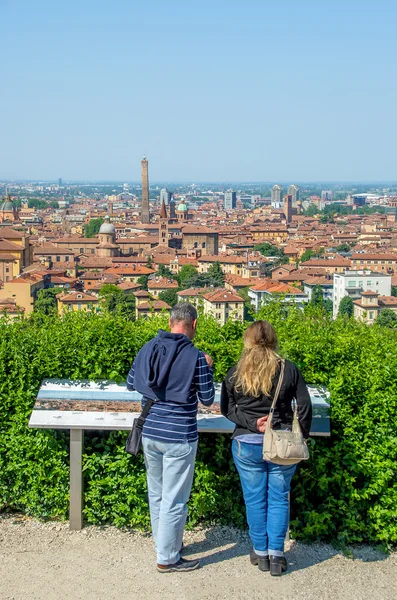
[{"x": 175, "y": 422}]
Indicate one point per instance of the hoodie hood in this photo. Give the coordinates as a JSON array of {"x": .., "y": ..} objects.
[
  {"x": 165, "y": 366},
  {"x": 166, "y": 347}
]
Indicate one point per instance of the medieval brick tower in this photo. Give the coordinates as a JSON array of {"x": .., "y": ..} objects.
[
  {"x": 163, "y": 229},
  {"x": 145, "y": 215},
  {"x": 288, "y": 209}
]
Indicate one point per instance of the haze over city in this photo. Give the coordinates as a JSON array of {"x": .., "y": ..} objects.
[{"x": 224, "y": 91}]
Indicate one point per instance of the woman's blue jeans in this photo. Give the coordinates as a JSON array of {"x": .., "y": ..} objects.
[{"x": 265, "y": 488}]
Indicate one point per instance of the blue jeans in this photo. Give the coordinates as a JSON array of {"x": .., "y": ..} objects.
[
  {"x": 265, "y": 488},
  {"x": 170, "y": 470}
]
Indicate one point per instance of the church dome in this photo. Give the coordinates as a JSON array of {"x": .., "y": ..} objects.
[
  {"x": 107, "y": 226},
  {"x": 182, "y": 207},
  {"x": 8, "y": 206}
]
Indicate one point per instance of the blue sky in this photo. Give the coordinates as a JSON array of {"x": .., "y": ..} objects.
[{"x": 247, "y": 90}]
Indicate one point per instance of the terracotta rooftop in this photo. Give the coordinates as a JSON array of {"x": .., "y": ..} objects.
[
  {"x": 154, "y": 304},
  {"x": 222, "y": 258},
  {"x": 8, "y": 257},
  {"x": 388, "y": 300},
  {"x": 191, "y": 229},
  {"x": 77, "y": 297},
  {"x": 10, "y": 246},
  {"x": 162, "y": 283},
  {"x": 330, "y": 262},
  {"x": 194, "y": 292},
  {"x": 223, "y": 295},
  {"x": 373, "y": 256},
  {"x": 11, "y": 234}
]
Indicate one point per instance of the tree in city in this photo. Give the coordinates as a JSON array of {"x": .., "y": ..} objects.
[
  {"x": 311, "y": 210},
  {"x": 267, "y": 249},
  {"x": 37, "y": 203},
  {"x": 387, "y": 318},
  {"x": 345, "y": 247},
  {"x": 215, "y": 275},
  {"x": 186, "y": 273},
  {"x": 92, "y": 228},
  {"x": 317, "y": 298},
  {"x": 46, "y": 302},
  {"x": 394, "y": 290},
  {"x": 149, "y": 262},
  {"x": 116, "y": 301},
  {"x": 143, "y": 281},
  {"x": 163, "y": 271},
  {"x": 307, "y": 255},
  {"x": 169, "y": 296},
  {"x": 329, "y": 307},
  {"x": 346, "y": 307}
]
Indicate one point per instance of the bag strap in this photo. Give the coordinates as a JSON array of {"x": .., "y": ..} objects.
[
  {"x": 146, "y": 409},
  {"x": 277, "y": 392}
]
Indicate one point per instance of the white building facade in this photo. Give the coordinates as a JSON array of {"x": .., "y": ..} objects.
[{"x": 353, "y": 283}]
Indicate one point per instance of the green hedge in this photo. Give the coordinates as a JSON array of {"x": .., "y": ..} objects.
[{"x": 346, "y": 492}]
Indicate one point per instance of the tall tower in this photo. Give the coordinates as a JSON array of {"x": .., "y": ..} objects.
[
  {"x": 163, "y": 228},
  {"x": 288, "y": 209},
  {"x": 145, "y": 215},
  {"x": 293, "y": 191},
  {"x": 277, "y": 195}
]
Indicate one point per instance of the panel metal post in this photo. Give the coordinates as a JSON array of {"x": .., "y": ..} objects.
[
  {"x": 287, "y": 536},
  {"x": 76, "y": 479}
]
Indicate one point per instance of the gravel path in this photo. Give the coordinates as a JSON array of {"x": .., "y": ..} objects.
[{"x": 47, "y": 561}]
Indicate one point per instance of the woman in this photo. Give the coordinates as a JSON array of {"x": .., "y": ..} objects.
[{"x": 246, "y": 398}]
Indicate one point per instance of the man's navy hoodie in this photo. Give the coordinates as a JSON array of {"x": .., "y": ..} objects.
[{"x": 173, "y": 373}]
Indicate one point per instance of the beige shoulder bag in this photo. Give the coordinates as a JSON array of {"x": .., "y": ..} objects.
[{"x": 280, "y": 446}]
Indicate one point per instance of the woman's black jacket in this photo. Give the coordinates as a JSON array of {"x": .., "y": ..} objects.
[{"x": 246, "y": 410}]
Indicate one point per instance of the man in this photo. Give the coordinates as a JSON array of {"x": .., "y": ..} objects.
[{"x": 173, "y": 373}]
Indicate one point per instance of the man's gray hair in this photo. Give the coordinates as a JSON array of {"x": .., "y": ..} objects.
[{"x": 183, "y": 311}]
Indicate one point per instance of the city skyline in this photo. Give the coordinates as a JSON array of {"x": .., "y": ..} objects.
[{"x": 214, "y": 92}]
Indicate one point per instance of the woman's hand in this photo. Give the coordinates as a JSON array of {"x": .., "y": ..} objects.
[{"x": 261, "y": 424}]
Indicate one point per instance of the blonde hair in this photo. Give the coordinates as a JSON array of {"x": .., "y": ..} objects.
[{"x": 258, "y": 363}]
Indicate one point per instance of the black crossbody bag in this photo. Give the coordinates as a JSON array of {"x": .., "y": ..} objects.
[{"x": 134, "y": 440}]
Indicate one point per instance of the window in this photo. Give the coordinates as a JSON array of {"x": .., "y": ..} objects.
[
  {"x": 58, "y": 258},
  {"x": 93, "y": 251},
  {"x": 195, "y": 245},
  {"x": 371, "y": 314},
  {"x": 7, "y": 270},
  {"x": 218, "y": 315},
  {"x": 131, "y": 250},
  {"x": 351, "y": 284},
  {"x": 369, "y": 282},
  {"x": 67, "y": 258},
  {"x": 203, "y": 245},
  {"x": 81, "y": 250},
  {"x": 7, "y": 278},
  {"x": 79, "y": 306},
  {"x": 236, "y": 304}
]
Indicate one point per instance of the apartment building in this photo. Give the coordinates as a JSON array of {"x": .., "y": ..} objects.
[
  {"x": 371, "y": 304},
  {"x": 77, "y": 301},
  {"x": 353, "y": 283},
  {"x": 269, "y": 290},
  {"x": 382, "y": 263},
  {"x": 223, "y": 304},
  {"x": 24, "y": 289}
]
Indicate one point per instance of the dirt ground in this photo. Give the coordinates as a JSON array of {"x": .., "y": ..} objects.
[{"x": 48, "y": 562}]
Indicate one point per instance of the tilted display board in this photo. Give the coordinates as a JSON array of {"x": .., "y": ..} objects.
[{"x": 80, "y": 405}]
